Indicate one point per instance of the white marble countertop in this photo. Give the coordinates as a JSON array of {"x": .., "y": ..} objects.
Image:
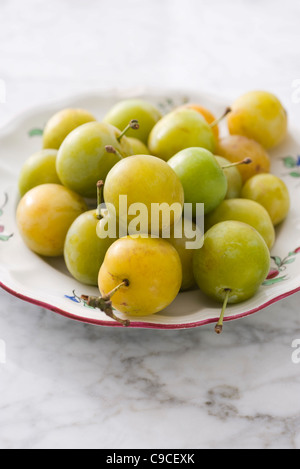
[{"x": 69, "y": 385}]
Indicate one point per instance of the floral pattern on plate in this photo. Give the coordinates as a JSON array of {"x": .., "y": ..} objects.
[
  {"x": 46, "y": 282},
  {"x": 3, "y": 236}
]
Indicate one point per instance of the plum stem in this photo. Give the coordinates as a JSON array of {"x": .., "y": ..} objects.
[
  {"x": 100, "y": 185},
  {"x": 111, "y": 149},
  {"x": 104, "y": 303},
  {"x": 238, "y": 163},
  {"x": 108, "y": 296},
  {"x": 133, "y": 124},
  {"x": 219, "y": 326},
  {"x": 219, "y": 119}
]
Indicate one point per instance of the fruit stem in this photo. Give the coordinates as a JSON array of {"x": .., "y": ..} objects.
[
  {"x": 100, "y": 185},
  {"x": 219, "y": 326},
  {"x": 104, "y": 303},
  {"x": 219, "y": 119},
  {"x": 111, "y": 149},
  {"x": 238, "y": 163},
  {"x": 133, "y": 124},
  {"x": 108, "y": 296}
]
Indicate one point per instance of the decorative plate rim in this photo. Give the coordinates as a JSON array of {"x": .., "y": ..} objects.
[
  {"x": 143, "y": 324},
  {"x": 126, "y": 92},
  {"x": 123, "y": 92}
]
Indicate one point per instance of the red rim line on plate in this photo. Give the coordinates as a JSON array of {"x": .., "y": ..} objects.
[{"x": 145, "y": 325}]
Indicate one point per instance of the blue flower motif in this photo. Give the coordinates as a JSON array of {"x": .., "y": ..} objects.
[
  {"x": 73, "y": 298},
  {"x": 78, "y": 300},
  {"x": 298, "y": 160}
]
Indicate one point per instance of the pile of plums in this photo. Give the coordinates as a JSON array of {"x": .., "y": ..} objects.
[{"x": 152, "y": 159}]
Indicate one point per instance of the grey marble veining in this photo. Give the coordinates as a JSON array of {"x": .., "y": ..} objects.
[{"x": 65, "y": 384}]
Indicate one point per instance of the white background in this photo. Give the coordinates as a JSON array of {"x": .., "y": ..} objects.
[{"x": 68, "y": 385}]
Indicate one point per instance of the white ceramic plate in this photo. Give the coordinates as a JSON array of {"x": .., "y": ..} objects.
[{"x": 47, "y": 282}]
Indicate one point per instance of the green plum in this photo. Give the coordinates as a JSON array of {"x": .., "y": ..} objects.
[
  {"x": 62, "y": 123},
  {"x": 180, "y": 129},
  {"x": 108, "y": 225},
  {"x": 39, "y": 168},
  {"x": 232, "y": 264},
  {"x": 138, "y": 147},
  {"x": 84, "y": 251},
  {"x": 246, "y": 211},
  {"x": 145, "y": 112},
  {"x": 271, "y": 192},
  {"x": 82, "y": 159},
  {"x": 146, "y": 182},
  {"x": 202, "y": 177},
  {"x": 233, "y": 176},
  {"x": 186, "y": 254}
]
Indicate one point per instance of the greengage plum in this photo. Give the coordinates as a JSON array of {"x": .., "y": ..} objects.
[
  {"x": 152, "y": 270},
  {"x": 202, "y": 178},
  {"x": 84, "y": 251},
  {"x": 180, "y": 129},
  {"x": 138, "y": 147},
  {"x": 145, "y": 180},
  {"x": 232, "y": 264},
  {"x": 39, "y": 168},
  {"x": 259, "y": 115},
  {"x": 44, "y": 216},
  {"x": 233, "y": 176},
  {"x": 206, "y": 113},
  {"x": 62, "y": 123},
  {"x": 186, "y": 254},
  {"x": 271, "y": 192},
  {"x": 246, "y": 211},
  {"x": 82, "y": 159},
  {"x": 145, "y": 112},
  {"x": 236, "y": 148}
]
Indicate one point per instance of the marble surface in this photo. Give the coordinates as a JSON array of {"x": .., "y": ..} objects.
[{"x": 68, "y": 385}]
